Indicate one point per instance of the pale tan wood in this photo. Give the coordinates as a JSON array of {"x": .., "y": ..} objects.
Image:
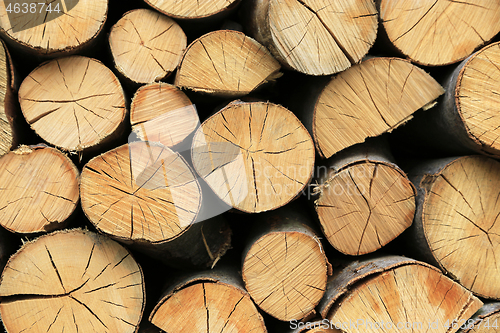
[
  {"x": 9, "y": 136},
  {"x": 146, "y": 45},
  {"x": 436, "y": 33},
  {"x": 226, "y": 63},
  {"x": 407, "y": 293},
  {"x": 140, "y": 192},
  {"x": 457, "y": 215},
  {"x": 72, "y": 281},
  {"x": 317, "y": 37},
  {"x": 487, "y": 319},
  {"x": 186, "y": 9},
  {"x": 75, "y": 103},
  {"x": 161, "y": 112},
  {"x": 40, "y": 189},
  {"x": 50, "y": 33},
  {"x": 369, "y": 99},
  {"x": 256, "y": 156}
]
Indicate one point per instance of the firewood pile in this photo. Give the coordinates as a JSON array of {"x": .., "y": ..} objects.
[{"x": 249, "y": 166}]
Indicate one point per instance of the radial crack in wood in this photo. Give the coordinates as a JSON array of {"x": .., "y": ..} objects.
[
  {"x": 255, "y": 156},
  {"x": 369, "y": 99},
  {"x": 40, "y": 189},
  {"x": 72, "y": 281},
  {"x": 186, "y": 9},
  {"x": 146, "y": 46},
  {"x": 140, "y": 192},
  {"x": 226, "y": 63},
  {"x": 439, "y": 32},
  {"x": 74, "y": 103},
  {"x": 162, "y": 113}
]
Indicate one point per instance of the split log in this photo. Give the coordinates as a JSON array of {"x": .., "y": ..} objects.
[
  {"x": 313, "y": 326},
  {"x": 72, "y": 281},
  {"x": 437, "y": 33},
  {"x": 367, "y": 100},
  {"x": 9, "y": 109},
  {"x": 216, "y": 302},
  {"x": 284, "y": 266},
  {"x": 54, "y": 28},
  {"x": 162, "y": 113},
  {"x": 40, "y": 189},
  {"x": 456, "y": 220},
  {"x": 315, "y": 37},
  {"x": 74, "y": 103},
  {"x": 256, "y": 156},
  {"x": 487, "y": 319},
  {"x": 395, "y": 293},
  {"x": 226, "y": 63},
  {"x": 189, "y": 10},
  {"x": 146, "y": 195},
  {"x": 146, "y": 46},
  {"x": 364, "y": 200}
]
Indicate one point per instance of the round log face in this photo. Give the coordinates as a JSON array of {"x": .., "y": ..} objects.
[
  {"x": 227, "y": 63},
  {"x": 369, "y": 99},
  {"x": 140, "y": 191},
  {"x": 40, "y": 189},
  {"x": 255, "y": 156},
  {"x": 436, "y": 33},
  {"x": 460, "y": 220},
  {"x": 410, "y": 298},
  {"x": 365, "y": 206},
  {"x": 40, "y": 27},
  {"x": 320, "y": 37},
  {"x": 285, "y": 273},
  {"x": 161, "y": 112},
  {"x": 477, "y": 96},
  {"x": 72, "y": 281},
  {"x": 6, "y": 135},
  {"x": 146, "y": 46},
  {"x": 73, "y": 103},
  {"x": 186, "y": 9},
  {"x": 208, "y": 307}
]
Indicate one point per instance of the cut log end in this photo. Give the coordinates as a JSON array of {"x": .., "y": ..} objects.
[
  {"x": 146, "y": 46},
  {"x": 477, "y": 97},
  {"x": 364, "y": 206},
  {"x": 369, "y": 99},
  {"x": 460, "y": 221},
  {"x": 186, "y": 9},
  {"x": 72, "y": 281},
  {"x": 285, "y": 273},
  {"x": 226, "y": 63},
  {"x": 438, "y": 33},
  {"x": 39, "y": 191},
  {"x": 38, "y": 26},
  {"x": 140, "y": 192},
  {"x": 7, "y": 139},
  {"x": 255, "y": 156},
  {"x": 74, "y": 103},
  {"x": 212, "y": 307},
  {"x": 160, "y": 112}
]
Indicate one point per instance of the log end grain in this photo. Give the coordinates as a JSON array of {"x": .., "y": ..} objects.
[
  {"x": 8, "y": 109},
  {"x": 186, "y": 9},
  {"x": 146, "y": 45},
  {"x": 40, "y": 189}
]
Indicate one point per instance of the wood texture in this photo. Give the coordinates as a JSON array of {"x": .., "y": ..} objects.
[
  {"x": 364, "y": 200},
  {"x": 74, "y": 103},
  {"x": 53, "y": 33},
  {"x": 185, "y": 9},
  {"x": 484, "y": 320},
  {"x": 256, "y": 156},
  {"x": 226, "y": 63},
  {"x": 367, "y": 100},
  {"x": 146, "y": 46},
  {"x": 162, "y": 113},
  {"x": 456, "y": 219},
  {"x": 72, "y": 281},
  {"x": 315, "y": 37},
  {"x": 436, "y": 33},
  {"x": 40, "y": 189}
]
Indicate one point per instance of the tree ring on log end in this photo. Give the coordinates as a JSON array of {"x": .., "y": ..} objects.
[
  {"x": 255, "y": 156},
  {"x": 141, "y": 192},
  {"x": 187, "y": 9},
  {"x": 70, "y": 281}
]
